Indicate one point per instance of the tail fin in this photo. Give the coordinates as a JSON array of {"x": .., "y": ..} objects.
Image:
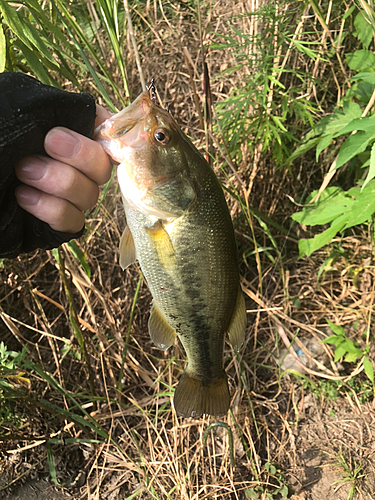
[{"x": 192, "y": 398}]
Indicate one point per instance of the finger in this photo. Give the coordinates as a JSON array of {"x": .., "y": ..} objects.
[
  {"x": 60, "y": 214},
  {"x": 101, "y": 115},
  {"x": 80, "y": 152},
  {"x": 58, "y": 179}
]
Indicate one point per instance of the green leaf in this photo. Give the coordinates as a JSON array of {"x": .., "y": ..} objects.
[
  {"x": 270, "y": 468},
  {"x": 363, "y": 29},
  {"x": 25, "y": 31},
  {"x": 362, "y": 91},
  {"x": 339, "y": 352},
  {"x": 251, "y": 493},
  {"x": 365, "y": 124},
  {"x": 333, "y": 124},
  {"x": 35, "y": 65},
  {"x": 3, "y": 53},
  {"x": 332, "y": 203},
  {"x": 80, "y": 255},
  {"x": 338, "y": 330},
  {"x": 307, "y": 247},
  {"x": 369, "y": 369},
  {"x": 363, "y": 206},
  {"x": 323, "y": 144},
  {"x": 342, "y": 209},
  {"x": 284, "y": 491},
  {"x": 371, "y": 171},
  {"x": 361, "y": 60},
  {"x": 352, "y": 348},
  {"x": 328, "y": 126},
  {"x": 52, "y": 27},
  {"x": 333, "y": 339},
  {"x": 366, "y": 76},
  {"x": 303, "y": 47},
  {"x": 351, "y": 357},
  {"x": 354, "y": 145},
  {"x": 51, "y": 464}
]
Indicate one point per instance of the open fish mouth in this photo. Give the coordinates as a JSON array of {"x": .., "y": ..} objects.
[
  {"x": 123, "y": 122},
  {"x": 127, "y": 126}
]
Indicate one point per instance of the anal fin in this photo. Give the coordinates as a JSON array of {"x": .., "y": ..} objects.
[
  {"x": 237, "y": 326},
  {"x": 161, "y": 332},
  {"x": 127, "y": 249}
]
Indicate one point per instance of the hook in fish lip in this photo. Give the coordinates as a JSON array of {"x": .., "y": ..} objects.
[{"x": 151, "y": 88}]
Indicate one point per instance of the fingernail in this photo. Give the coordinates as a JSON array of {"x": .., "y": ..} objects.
[
  {"x": 34, "y": 169},
  {"x": 62, "y": 143},
  {"x": 27, "y": 196}
]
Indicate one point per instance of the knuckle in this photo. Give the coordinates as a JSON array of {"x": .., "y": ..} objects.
[
  {"x": 62, "y": 211},
  {"x": 70, "y": 180},
  {"x": 67, "y": 218}
]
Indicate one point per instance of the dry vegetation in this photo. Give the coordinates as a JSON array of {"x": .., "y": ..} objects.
[{"x": 304, "y": 438}]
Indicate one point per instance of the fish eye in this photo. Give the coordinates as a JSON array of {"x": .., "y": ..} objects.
[{"x": 161, "y": 136}]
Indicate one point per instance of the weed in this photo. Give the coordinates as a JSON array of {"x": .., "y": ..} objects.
[
  {"x": 67, "y": 49},
  {"x": 134, "y": 445},
  {"x": 261, "y": 110},
  {"x": 274, "y": 486},
  {"x": 325, "y": 390},
  {"x": 334, "y": 206},
  {"x": 349, "y": 350},
  {"x": 351, "y": 472},
  {"x": 14, "y": 385}
]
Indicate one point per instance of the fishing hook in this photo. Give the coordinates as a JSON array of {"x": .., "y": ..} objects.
[
  {"x": 152, "y": 89},
  {"x": 230, "y": 438}
]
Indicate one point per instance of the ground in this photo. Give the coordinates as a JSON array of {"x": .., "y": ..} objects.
[
  {"x": 321, "y": 453},
  {"x": 104, "y": 427}
]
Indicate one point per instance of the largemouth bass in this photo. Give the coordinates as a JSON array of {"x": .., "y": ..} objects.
[{"x": 180, "y": 230}]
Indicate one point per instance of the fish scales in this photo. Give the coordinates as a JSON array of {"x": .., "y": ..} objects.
[
  {"x": 201, "y": 265},
  {"x": 184, "y": 240}
]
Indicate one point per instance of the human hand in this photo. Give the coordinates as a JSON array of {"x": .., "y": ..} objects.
[{"x": 58, "y": 190}]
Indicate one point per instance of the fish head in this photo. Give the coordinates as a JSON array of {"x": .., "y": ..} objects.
[{"x": 153, "y": 156}]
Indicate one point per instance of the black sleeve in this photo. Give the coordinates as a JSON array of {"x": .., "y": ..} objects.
[{"x": 28, "y": 110}]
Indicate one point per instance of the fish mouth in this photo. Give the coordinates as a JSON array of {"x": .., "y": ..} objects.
[
  {"x": 125, "y": 121},
  {"x": 127, "y": 125}
]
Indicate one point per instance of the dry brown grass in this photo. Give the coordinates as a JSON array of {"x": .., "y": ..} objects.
[{"x": 148, "y": 451}]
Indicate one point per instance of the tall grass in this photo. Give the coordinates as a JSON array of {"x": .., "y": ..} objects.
[
  {"x": 62, "y": 43},
  {"x": 269, "y": 107}
]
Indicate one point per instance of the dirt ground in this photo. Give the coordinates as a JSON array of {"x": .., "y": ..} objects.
[
  {"x": 323, "y": 444},
  {"x": 325, "y": 440},
  {"x": 37, "y": 489}
]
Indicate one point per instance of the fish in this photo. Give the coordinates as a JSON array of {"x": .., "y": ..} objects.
[{"x": 180, "y": 230}]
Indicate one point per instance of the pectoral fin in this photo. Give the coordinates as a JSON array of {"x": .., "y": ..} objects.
[
  {"x": 163, "y": 245},
  {"x": 237, "y": 327},
  {"x": 161, "y": 332},
  {"x": 127, "y": 249}
]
